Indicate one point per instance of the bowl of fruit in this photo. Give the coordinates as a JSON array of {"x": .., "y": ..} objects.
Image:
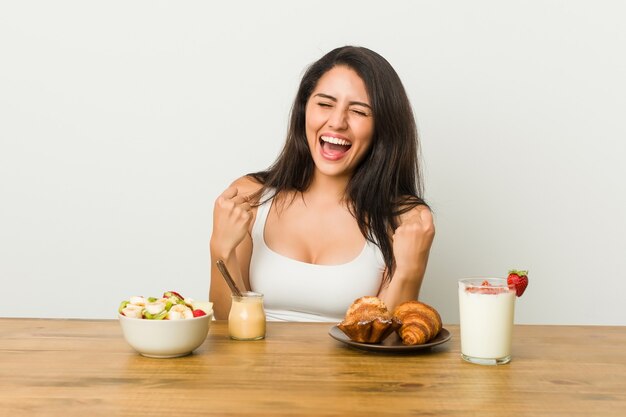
[{"x": 165, "y": 327}]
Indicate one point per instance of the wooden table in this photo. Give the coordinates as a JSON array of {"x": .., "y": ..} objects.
[{"x": 85, "y": 368}]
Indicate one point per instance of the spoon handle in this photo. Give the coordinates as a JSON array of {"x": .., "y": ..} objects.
[{"x": 228, "y": 278}]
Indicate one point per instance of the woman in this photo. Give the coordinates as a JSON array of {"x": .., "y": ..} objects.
[{"x": 340, "y": 214}]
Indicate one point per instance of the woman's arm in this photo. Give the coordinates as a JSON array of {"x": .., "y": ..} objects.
[
  {"x": 231, "y": 242},
  {"x": 411, "y": 246}
]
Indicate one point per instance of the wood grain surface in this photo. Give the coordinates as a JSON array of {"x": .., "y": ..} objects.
[{"x": 84, "y": 367}]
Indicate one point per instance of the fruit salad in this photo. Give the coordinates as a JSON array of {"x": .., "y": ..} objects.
[{"x": 171, "y": 306}]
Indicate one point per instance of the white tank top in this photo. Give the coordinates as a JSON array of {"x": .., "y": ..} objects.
[{"x": 299, "y": 291}]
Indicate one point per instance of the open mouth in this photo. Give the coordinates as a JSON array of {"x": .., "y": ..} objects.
[{"x": 334, "y": 148}]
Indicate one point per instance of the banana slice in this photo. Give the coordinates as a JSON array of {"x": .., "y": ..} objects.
[{"x": 205, "y": 306}]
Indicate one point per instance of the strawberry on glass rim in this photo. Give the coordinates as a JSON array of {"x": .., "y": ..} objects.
[{"x": 518, "y": 280}]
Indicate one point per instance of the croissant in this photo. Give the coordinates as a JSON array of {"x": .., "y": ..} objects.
[
  {"x": 368, "y": 321},
  {"x": 420, "y": 322}
]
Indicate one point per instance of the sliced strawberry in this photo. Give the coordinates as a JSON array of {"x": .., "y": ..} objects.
[
  {"x": 478, "y": 289},
  {"x": 169, "y": 294},
  {"x": 199, "y": 313},
  {"x": 518, "y": 280},
  {"x": 486, "y": 288}
]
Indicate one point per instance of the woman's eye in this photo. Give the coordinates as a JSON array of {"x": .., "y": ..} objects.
[
  {"x": 324, "y": 104},
  {"x": 359, "y": 112}
]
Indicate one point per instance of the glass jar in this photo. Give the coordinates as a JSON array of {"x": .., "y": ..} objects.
[{"x": 246, "y": 320}]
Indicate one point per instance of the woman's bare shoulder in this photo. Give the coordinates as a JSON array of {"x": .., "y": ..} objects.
[{"x": 246, "y": 185}]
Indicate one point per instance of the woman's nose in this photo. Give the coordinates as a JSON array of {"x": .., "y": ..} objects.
[{"x": 338, "y": 118}]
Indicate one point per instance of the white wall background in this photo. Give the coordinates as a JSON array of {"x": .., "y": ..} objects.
[{"x": 121, "y": 121}]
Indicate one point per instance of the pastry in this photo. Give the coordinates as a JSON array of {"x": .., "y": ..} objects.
[
  {"x": 420, "y": 322},
  {"x": 368, "y": 321}
]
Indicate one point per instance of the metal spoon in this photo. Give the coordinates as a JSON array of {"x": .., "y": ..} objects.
[{"x": 228, "y": 278}]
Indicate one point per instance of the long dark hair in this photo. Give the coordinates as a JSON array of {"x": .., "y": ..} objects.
[{"x": 388, "y": 180}]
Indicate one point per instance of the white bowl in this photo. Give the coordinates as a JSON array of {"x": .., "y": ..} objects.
[{"x": 165, "y": 338}]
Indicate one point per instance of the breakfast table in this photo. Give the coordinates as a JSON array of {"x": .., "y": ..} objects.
[{"x": 53, "y": 367}]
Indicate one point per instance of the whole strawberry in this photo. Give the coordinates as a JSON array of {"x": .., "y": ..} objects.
[{"x": 518, "y": 280}]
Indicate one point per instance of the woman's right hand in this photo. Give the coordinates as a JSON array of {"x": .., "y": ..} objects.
[{"x": 231, "y": 220}]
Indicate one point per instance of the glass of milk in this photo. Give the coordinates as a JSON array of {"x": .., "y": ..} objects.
[
  {"x": 486, "y": 308},
  {"x": 246, "y": 320}
]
